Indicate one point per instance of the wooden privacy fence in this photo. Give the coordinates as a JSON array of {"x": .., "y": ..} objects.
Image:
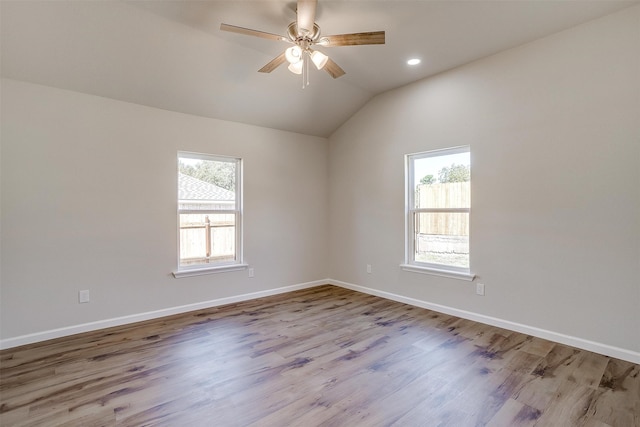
[
  {"x": 449, "y": 195},
  {"x": 204, "y": 240}
]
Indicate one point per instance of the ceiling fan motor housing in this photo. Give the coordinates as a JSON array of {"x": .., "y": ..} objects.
[{"x": 299, "y": 38}]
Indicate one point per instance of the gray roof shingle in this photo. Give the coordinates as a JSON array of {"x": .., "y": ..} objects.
[{"x": 190, "y": 188}]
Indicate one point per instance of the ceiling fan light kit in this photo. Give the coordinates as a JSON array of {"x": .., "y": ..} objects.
[
  {"x": 304, "y": 33},
  {"x": 319, "y": 59},
  {"x": 293, "y": 54},
  {"x": 295, "y": 68}
]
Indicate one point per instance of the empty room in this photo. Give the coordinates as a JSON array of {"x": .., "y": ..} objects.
[{"x": 320, "y": 213}]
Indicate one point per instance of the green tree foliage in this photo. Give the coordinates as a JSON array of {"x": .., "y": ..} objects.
[
  {"x": 428, "y": 179},
  {"x": 221, "y": 174},
  {"x": 454, "y": 173}
]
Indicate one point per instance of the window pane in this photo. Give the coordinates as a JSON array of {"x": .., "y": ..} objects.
[
  {"x": 206, "y": 184},
  {"x": 207, "y": 238},
  {"x": 442, "y": 181},
  {"x": 448, "y": 195},
  {"x": 442, "y": 238}
]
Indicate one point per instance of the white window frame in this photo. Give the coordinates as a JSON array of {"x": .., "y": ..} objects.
[
  {"x": 410, "y": 263},
  {"x": 217, "y": 267}
]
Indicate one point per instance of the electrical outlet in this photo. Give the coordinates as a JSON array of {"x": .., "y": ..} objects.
[
  {"x": 251, "y": 272},
  {"x": 480, "y": 288},
  {"x": 83, "y": 296},
  {"x": 369, "y": 268}
]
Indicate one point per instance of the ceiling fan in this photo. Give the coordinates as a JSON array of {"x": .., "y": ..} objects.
[{"x": 304, "y": 34}]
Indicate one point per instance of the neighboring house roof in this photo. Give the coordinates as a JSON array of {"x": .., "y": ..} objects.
[{"x": 190, "y": 188}]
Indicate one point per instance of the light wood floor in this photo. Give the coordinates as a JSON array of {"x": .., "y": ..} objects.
[{"x": 322, "y": 356}]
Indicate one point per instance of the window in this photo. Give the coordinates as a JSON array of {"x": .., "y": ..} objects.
[
  {"x": 209, "y": 213},
  {"x": 438, "y": 209}
]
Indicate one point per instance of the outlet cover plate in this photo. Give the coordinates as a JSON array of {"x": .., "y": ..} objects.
[{"x": 83, "y": 296}]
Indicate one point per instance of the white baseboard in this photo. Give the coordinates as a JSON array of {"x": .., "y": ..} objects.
[
  {"x": 118, "y": 321},
  {"x": 595, "y": 347}
]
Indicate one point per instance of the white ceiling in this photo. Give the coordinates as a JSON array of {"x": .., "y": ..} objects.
[{"x": 172, "y": 55}]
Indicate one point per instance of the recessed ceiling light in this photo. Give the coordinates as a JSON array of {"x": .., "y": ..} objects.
[{"x": 413, "y": 61}]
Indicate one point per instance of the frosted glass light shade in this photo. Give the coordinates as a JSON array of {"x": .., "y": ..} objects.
[
  {"x": 296, "y": 68},
  {"x": 293, "y": 54},
  {"x": 319, "y": 59}
]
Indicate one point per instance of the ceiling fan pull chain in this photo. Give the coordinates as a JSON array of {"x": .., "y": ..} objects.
[{"x": 305, "y": 72}]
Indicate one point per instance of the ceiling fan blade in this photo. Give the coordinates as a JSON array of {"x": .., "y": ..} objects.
[
  {"x": 374, "y": 37},
  {"x": 273, "y": 64},
  {"x": 249, "y": 32},
  {"x": 333, "y": 69},
  {"x": 306, "y": 16}
]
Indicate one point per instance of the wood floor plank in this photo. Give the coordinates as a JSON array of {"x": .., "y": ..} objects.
[
  {"x": 514, "y": 414},
  {"x": 321, "y": 356}
]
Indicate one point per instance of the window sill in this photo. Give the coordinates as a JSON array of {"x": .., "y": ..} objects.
[
  {"x": 437, "y": 272},
  {"x": 208, "y": 270}
]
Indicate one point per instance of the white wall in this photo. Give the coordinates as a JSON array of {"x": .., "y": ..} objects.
[
  {"x": 89, "y": 202},
  {"x": 554, "y": 130}
]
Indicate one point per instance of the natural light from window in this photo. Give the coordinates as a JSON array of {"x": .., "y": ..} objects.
[
  {"x": 438, "y": 209},
  {"x": 208, "y": 210}
]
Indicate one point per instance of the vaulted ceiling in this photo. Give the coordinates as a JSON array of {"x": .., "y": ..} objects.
[{"x": 172, "y": 54}]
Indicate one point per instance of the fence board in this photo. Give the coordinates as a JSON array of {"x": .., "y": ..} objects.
[{"x": 449, "y": 195}]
